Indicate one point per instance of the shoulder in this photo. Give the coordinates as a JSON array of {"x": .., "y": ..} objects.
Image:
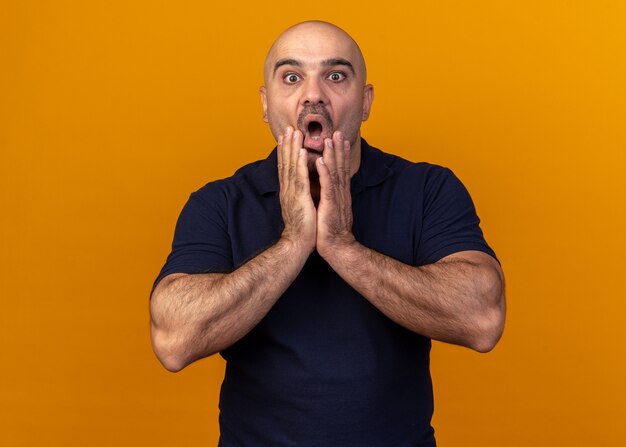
[
  {"x": 250, "y": 179},
  {"x": 405, "y": 172}
]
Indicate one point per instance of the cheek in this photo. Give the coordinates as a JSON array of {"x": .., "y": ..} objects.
[
  {"x": 280, "y": 111},
  {"x": 352, "y": 116},
  {"x": 277, "y": 121}
]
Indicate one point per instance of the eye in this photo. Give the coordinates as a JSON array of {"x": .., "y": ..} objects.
[
  {"x": 291, "y": 78},
  {"x": 337, "y": 76}
]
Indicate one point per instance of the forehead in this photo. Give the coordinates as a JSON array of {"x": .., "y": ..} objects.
[{"x": 311, "y": 44}]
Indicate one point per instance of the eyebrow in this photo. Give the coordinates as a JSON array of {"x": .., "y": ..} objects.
[
  {"x": 338, "y": 61},
  {"x": 282, "y": 62},
  {"x": 327, "y": 63}
]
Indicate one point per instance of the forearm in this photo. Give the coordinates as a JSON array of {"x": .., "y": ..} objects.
[
  {"x": 194, "y": 316},
  {"x": 457, "y": 300}
]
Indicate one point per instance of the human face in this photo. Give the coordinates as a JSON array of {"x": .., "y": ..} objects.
[{"x": 315, "y": 82}]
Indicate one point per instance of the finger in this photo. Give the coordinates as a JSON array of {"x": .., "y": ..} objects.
[
  {"x": 329, "y": 156},
  {"x": 347, "y": 159},
  {"x": 339, "y": 156},
  {"x": 302, "y": 173},
  {"x": 279, "y": 154},
  {"x": 298, "y": 140},
  {"x": 326, "y": 185},
  {"x": 294, "y": 153},
  {"x": 283, "y": 165},
  {"x": 287, "y": 149}
]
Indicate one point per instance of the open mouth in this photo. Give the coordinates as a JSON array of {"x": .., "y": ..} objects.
[{"x": 314, "y": 129}]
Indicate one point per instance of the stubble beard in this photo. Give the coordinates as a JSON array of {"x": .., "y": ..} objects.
[{"x": 315, "y": 109}]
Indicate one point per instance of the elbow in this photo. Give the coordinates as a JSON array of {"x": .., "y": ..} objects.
[
  {"x": 488, "y": 336},
  {"x": 490, "y": 322},
  {"x": 174, "y": 350},
  {"x": 166, "y": 343},
  {"x": 166, "y": 350},
  {"x": 489, "y": 329}
]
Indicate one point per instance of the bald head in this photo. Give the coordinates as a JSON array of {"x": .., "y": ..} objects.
[{"x": 315, "y": 37}]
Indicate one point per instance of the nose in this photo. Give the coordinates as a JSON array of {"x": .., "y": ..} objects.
[{"x": 314, "y": 92}]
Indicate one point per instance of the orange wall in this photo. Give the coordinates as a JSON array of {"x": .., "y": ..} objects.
[{"x": 111, "y": 113}]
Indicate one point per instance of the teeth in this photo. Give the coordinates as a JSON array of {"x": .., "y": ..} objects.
[{"x": 315, "y": 138}]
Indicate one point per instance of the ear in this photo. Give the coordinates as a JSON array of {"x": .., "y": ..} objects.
[
  {"x": 368, "y": 98},
  {"x": 263, "y": 92}
]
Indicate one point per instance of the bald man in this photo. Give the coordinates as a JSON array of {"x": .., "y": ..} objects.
[{"x": 322, "y": 273}]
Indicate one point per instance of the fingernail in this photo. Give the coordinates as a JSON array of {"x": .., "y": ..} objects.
[
  {"x": 280, "y": 140},
  {"x": 329, "y": 143}
]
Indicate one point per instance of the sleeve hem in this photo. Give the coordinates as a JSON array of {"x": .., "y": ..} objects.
[
  {"x": 188, "y": 269},
  {"x": 455, "y": 248}
]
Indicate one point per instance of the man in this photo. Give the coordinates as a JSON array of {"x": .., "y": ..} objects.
[{"x": 321, "y": 273}]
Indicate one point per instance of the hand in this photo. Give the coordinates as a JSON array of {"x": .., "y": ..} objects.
[
  {"x": 334, "y": 212},
  {"x": 296, "y": 204}
]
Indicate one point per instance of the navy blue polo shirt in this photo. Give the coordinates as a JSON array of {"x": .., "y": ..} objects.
[{"x": 324, "y": 367}]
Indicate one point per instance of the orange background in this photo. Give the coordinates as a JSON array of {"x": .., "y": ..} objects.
[{"x": 111, "y": 113}]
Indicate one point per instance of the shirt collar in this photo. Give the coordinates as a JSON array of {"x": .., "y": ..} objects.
[
  {"x": 265, "y": 176},
  {"x": 373, "y": 170}
]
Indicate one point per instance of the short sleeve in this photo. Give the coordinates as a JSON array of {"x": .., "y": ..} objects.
[
  {"x": 450, "y": 223},
  {"x": 201, "y": 242}
]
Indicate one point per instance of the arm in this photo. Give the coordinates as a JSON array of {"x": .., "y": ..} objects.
[
  {"x": 459, "y": 299},
  {"x": 194, "y": 316}
]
